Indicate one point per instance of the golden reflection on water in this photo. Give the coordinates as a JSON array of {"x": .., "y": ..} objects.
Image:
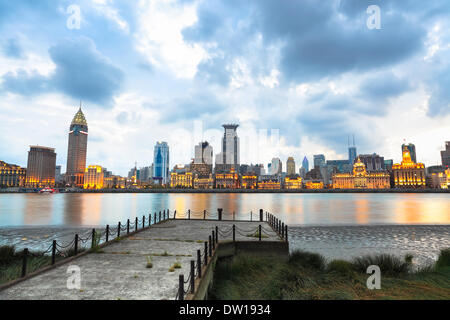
[{"x": 293, "y": 209}]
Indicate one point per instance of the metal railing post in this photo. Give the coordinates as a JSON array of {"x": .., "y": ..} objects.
[
  {"x": 93, "y": 238},
  {"x": 189, "y": 214},
  {"x": 286, "y": 233},
  {"x": 199, "y": 263},
  {"x": 143, "y": 222},
  {"x": 192, "y": 276},
  {"x": 204, "y": 214},
  {"x": 261, "y": 215},
  {"x": 181, "y": 287},
  {"x": 259, "y": 232},
  {"x": 76, "y": 244},
  {"x": 159, "y": 219},
  {"x": 210, "y": 248},
  {"x": 219, "y": 214},
  {"x": 136, "y": 224},
  {"x": 54, "y": 252},
  {"x": 175, "y": 214},
  {"x": 118, "y": 229},
  {"x": 107, "y": 233},
  {"x": 217, "y": 234},
  {"x": 206, "y": 253},
  {"x": 24, "y": 262},
  {"x": 128, "y": 226},
  {"x": 234, "y": 233},
  {"x": 213, "y": 240}
]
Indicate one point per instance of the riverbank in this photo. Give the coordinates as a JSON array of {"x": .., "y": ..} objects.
[
  {"x": 308, "y": 276},
  {"x": 220, "y": 191}
]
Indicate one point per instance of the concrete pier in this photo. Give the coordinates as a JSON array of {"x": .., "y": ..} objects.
[{"x": 119, "y": 271}]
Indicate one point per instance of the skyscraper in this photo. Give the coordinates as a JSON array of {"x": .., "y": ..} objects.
[
  {"x": 203, "y": 153},
  {"x": 445, "y": 155},
  {"x": 276, "y": 166},
  {"x": 77, "y": 150},
  {"x": 41, "y": 167},
  {"x": 412, "y": 150},
  {"x": 229, "y": 157},
  {"x": 352, "y": 153},
  {"x": 305, "y": 164},
  {"x": 319, "y": 160},
  {"x": 161, "y": 162},
  {"x": 373, "y": 162},
  {"x": 290, "y": 166}
]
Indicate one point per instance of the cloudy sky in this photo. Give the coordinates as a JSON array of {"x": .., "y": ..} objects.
[{"x": 298, "y": 76}]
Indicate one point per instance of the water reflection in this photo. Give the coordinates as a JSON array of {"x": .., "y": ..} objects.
[{"x": 294, "y": 209}]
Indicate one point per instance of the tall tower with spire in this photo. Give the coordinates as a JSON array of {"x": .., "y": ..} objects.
[{"x": 77, "y": 150}]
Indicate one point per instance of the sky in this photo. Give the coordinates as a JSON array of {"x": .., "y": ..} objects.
[{"x": 298, "y": 76}]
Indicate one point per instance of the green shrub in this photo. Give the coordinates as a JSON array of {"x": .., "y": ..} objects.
[
  {"x": 388, "y": 264},
  {"x": 308, "y": 260},
  {"x": 340, "y": 266},
  {"x": 443, "y": 259}
]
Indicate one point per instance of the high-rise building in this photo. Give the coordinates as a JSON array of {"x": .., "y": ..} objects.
[
  {"x": 41, "y": 167},
  {"x": 229, "y": 156},
  {"x": 58, "y": 175},
  {"x": 276, "y": 166},
  {"x": 445, "y": 155},
  {"x": 412, "y": 151},
  {"x": 373, "y": 162},
  {"x": 360, "y": 178},
  {"x": 352, "y": 153},
  {"x": 319, "y": 160},
  {"x": 77, "y": 150},
  {"x": 305, "y": 164},
  {"x": 290, "y": 166},
  {"x": 161, "y": 162},
  {"x": 203, "y": 153}
]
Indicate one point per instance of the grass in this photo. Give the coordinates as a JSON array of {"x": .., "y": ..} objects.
[
  {"x": 308, "y": 276},
  {"x": 256, "y": 235},
  {"x": 11, "y": 263}
]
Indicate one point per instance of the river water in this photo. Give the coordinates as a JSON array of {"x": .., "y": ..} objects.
[{"x": 335, "y": 225}]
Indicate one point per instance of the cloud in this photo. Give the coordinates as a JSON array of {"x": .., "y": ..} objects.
[
  {"x": 13, "y": 49},
  {"x": 81, "y": 72}
]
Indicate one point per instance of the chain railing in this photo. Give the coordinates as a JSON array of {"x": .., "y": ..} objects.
[
  {"x": 205, "y": 257},
  {"x": 93, "y": 238},
  {"x": 219, "y": 215}
]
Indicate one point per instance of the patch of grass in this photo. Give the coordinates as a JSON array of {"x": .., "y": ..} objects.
[
  {"x": 307, "y": 276},
  {"x": 7, "y": 255},
  {"x": 256, "y": 235},
  {"x": 389, "y": 264},
  {"x": 308, "y": 260},
  {"x": 443, "y": 259}
]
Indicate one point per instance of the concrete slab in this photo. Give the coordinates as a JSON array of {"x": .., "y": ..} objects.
[{"x": 119, "y": 271}]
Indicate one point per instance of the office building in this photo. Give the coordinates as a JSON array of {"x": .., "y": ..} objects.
[
  {"x": 373, "y": 162},
  {"x": 445, "y": 155},
  {"x": 409, "y": 174},
  {"x": 290, "y": 166},
  {"x": 360, "y": 178},
  {"x": 93, "y": 177},
  {"x": 319, "y": 160},
  {"x": 12, "y": 175},
  {"x": 41, "y": 167},
  {"x": 161, "y": 163},
  {"x": 77, "y": 150},
  {"x": 229, "y": 157},
  {"x": 412, "y": 151},
  {"x": 352, "y": 153},
  {"x": 276, "y": 166},
  {"x": 305, "y": 164}
]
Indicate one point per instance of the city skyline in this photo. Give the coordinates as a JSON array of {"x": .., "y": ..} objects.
[{"x": 183, "y": 65}]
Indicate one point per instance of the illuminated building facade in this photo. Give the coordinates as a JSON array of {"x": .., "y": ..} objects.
[
  {"x": 77, "y": 150},
  {"x": 93, "y": 177},
  {"x": 249, "y": 181},
  {"x": 361, "y": 179},
  {"x": 41, "y": 167},
  {"x": 181, "y": 180},
  {"x": 269, "y": 184},
  {"x": 12, "y": 175},
  {"x": 293, "y": 182},
  {"x": 203, "y": 181},
  {"x": 114, "y": 182},
  {"x": 311, "y": 184},
  {"x": 290, "y": 166},
  {"x": 412, "y": 151},
  {"x": 409, "y": 174},
  {"x": 227, "y": 180}
]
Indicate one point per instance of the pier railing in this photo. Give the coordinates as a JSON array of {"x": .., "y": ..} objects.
[
  {"x": 91, "y": 240},
  {"x": 205, "y": 256}
]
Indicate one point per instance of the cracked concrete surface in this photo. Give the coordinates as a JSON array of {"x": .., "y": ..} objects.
[{"x": 119, "y": 271}]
